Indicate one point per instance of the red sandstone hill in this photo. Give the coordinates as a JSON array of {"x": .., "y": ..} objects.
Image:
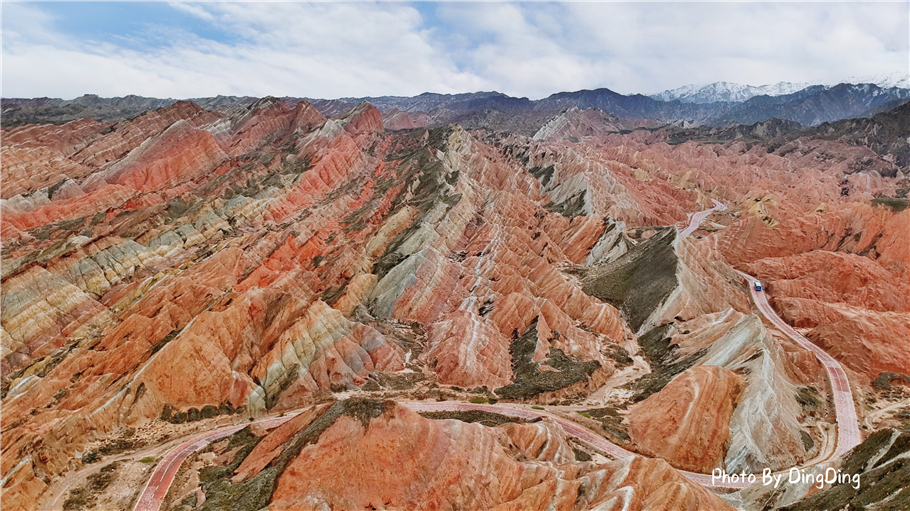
[{"x": 267, "y": 258}]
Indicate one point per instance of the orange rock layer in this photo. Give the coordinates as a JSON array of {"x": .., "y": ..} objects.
[
  {"x": 688, "y": 422},
  {"x": 401, "y": 460}
]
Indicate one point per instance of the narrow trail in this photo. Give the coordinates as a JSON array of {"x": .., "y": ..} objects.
[{"x": 848, "y": 431}]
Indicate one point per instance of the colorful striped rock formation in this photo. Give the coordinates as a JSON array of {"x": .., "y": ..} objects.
[{"x": 187, "y": 267}]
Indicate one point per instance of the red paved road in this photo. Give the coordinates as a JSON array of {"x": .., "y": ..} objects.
[
  {"x": 848, "y": 435},
  {"x": 156, "y": 488},
  {"x": 847, "y": 438},
  {"x": 574, "y": 430}
]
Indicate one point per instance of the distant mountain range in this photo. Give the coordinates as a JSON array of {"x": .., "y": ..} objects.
[
  {"x": 734, "y": 92},
  {"x": 718, "y": 92},
  {"x": 808, "y": 106},
  {"x": 718, "y": 104}
]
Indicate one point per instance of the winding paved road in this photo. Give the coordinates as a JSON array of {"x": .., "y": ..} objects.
[
  {"x": 848, "y": 435},
  {"x": 160, "y": 482},
  {"x": 157, "y": 486},
  {"x": 848, "y": 431},
  {"x": 696, "y": 219}
]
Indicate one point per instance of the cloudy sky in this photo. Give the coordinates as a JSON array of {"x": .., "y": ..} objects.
[{"x": 323, "y": 50}]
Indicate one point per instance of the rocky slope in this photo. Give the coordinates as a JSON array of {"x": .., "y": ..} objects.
[
  {"x": 719, "y": 104},
  {"x": 871, "y": 476},
  {"x": 726, "y": 92},
  {"x": 201, "y": 266},
  {"x": 676, "y": 423},
  {"x": 363, "y": 454},
  {"x": 189, "y": 263}
]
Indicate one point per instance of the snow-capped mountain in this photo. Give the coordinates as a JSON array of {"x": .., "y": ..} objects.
[
  {"x": 883, "y": 80},
  {"x": 726, "y": 91},
  {"x": 734, "y": 92}
]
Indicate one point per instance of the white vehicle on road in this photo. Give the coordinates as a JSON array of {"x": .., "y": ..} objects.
[{"x": 757, "y": 285}]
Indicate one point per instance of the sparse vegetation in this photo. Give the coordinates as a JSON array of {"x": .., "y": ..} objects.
[
  {"x": 195, "y": 414},
  {"x": 660, "y": 352},
  {"x": 256, "y": 492},
  {"x": 486, "y": 418},
  {"x": 896, "y": 204},
  {"x": 884, "y": 381},
  {"x": 581, "y": 455},
  {"x": 639, "y": 281},
  {"x": 86, "y": 496},
  {"x": 530, "y": 381},
  {"x": 164, "y": 340},
  {"x": 610, "y": 420}
]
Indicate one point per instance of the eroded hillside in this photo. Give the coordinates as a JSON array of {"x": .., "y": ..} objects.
[{"x": 190, "y": 265}]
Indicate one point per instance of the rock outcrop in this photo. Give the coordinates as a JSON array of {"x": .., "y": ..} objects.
[
  {"x": 663, "y": 278},
  {"x": 417, "y": 463},
  {"x": 253, "y": 262},
  {"x": 688, "y": 422},
  {"x": 266, "y": 258}
]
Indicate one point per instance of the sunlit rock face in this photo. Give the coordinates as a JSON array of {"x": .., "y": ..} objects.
[
  {"x": 842, "y": 273},
  {"x": 418, "y": 463},
  {"x": 266, "y": 258},
  {"x": 664, "y": 425},
  {"x": 250, "y": 259},
  {"x": 820, "y": 222}
]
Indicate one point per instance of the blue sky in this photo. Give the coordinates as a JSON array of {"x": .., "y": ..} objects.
[
  {"x": 66, "y": 49},
  {"x": 136, "y": 25}
]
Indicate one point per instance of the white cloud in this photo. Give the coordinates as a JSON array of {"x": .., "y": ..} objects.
[
  {"x": 316, "y": 50},
  {"x": 193, "y": 10},
  {"x": 752, "y": 43},
  {"x": 357, "y": 49}
]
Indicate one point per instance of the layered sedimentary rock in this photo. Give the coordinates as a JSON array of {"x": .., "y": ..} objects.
[
  {"x": 577, "y": 124},
  {"x": 249, "y": 262},
  {"x": 769, "y": 427},
  {"x": 832, "y": 277},
  {"x": 688, "y": 422},
  {"x": 870, "y": 476},
  {"x": 766, "y": 428},
  {"x": 266, "y": 257},
  {"x": 442, "y": 463},
  {"x": 868, "y": 342},
  {"x": 79, "y": 148},
  {"x": 820, "y": 222},
  {"x": 395, "y": 119},
  {"x": 663, "y": 278},
  {"x": 875, "y": 232},
  {"x": 842, "y": 274}
]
